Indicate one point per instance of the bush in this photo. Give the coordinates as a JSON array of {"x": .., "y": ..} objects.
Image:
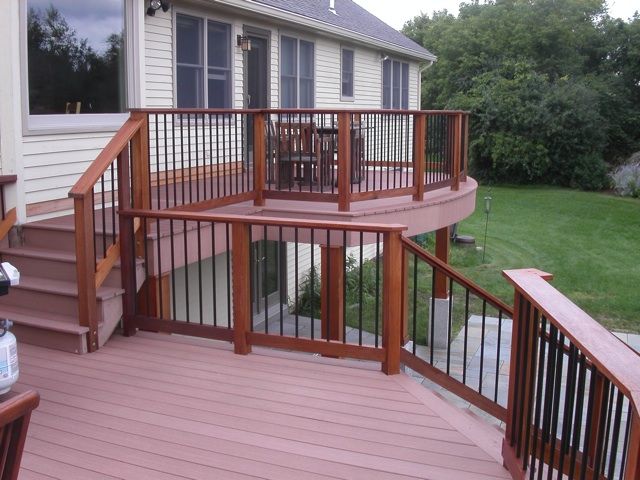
[
  {"x": 590, "y": 173},
  {"x": 626, "y": 178}
]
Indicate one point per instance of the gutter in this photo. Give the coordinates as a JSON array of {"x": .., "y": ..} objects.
[{"x": 280, "y": 14}]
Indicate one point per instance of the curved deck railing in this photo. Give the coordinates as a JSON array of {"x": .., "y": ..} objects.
[{"x": 201, "y": 159}]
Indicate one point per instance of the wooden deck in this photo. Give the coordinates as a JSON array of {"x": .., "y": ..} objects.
[{"x": 164, "y": 407}]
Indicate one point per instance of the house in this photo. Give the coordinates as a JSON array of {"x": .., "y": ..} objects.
[
  {"x": 53, "y": 122},
  {"x": 261, "y": 193}
]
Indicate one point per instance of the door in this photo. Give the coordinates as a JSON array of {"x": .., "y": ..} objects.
[
  {"x": 256, "y": 91},
  {"x": 269, "y": 276}
]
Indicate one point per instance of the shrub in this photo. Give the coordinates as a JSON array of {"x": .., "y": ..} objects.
[
  {"x": 590, "y": 173},
  {"x": 626, "y": 178}
]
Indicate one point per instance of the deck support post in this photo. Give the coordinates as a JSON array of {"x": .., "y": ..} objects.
[
  {"x": 241, "y": 278},
  {"x": 440, "y": 314},
  {"x": 332, "y": 292},
  {"x": 392, "y": 302}
]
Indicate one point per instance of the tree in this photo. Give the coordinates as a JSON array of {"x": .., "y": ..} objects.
[{"x": 553, "y": 86}]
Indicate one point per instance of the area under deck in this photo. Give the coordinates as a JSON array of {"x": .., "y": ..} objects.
[{"x": 162, "y": 407}]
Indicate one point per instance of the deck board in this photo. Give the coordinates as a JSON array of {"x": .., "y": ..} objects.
[{"x": 155, "y": 406}]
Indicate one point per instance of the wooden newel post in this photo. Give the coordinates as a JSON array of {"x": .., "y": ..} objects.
[
  {"x": 332, "y": 292},
  {"x": 392, "y": 302},
  {"x": 457, "y": 151},
  {"x": 86, "y": 267},
  {"x": 465, "y": 152},
  {"x": 141, "y": 194},
  {"x": 127, "y": 246},
  {"x": 344, "y": 161},
  {"x": 241, "y": 276},
  {"x": 632, "y": 468},
  {"x": 419, "y": 155},
  {"x": 259, "y": 157}
]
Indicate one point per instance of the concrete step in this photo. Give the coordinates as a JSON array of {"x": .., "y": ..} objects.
[
  {"x": 46, "y": 329},
  {"x": 61, "y": 297}
]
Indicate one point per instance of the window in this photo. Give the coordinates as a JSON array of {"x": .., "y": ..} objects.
[
  {"x": 347, "y": 74},
  {"x": 75, "y": 57},
  {"x": 395, "y": 84},
  {"x": 203, "y": 63},
  {"x": 296, "y": 73}
]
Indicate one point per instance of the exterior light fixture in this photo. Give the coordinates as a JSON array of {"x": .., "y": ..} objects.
[
  {"x": 243, "y": 42},
  {"x": 155, "y": 5}
]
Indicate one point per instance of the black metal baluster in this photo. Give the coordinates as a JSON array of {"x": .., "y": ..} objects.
[
  {"x": 466, "y": 337},
  {"x": 199, "y": 243},
  {"x": 538, "y": 399},
  {"x": 296, "y": 273},
  {"x": 313, "y": 290},
  {"x": 173, "y": 271},
  {"x": 186, "y": 272},
  {"x": 360, "y": 289},
  {"x": 214, "y": 280}
]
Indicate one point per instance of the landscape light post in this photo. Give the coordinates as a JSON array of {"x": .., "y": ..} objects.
[{"x": 487, "y": 210}]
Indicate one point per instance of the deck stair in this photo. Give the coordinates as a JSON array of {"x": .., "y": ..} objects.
[{"x": 44, "y": 307}]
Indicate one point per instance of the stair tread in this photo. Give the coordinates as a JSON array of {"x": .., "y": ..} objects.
[
  {"x": 36, "y": 252},
  {"x": 50, "y": 254},
  {"x": 42, "y": 320},
  {"x": 62, "y": 287}
]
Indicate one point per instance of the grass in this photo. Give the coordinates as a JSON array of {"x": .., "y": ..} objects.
[{"x": 590, "y": 242}]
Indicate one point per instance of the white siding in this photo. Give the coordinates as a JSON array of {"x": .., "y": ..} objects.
[{"x": 304, "y": 263}]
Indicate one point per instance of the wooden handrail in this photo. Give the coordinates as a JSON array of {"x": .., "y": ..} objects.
[
  {"x": 294, "y": 111},
  {"x": 607, "y": 352},
  {"x": 87, "y": 181},
  {"x": 450, "y": 272},
  {"x": 268, "y": 221}
]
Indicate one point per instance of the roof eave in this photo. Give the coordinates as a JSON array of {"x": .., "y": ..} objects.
[{"x": 274, "y": 12}]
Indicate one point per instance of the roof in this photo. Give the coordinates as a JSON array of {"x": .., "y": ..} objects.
[{"x": 353, "y": 18}]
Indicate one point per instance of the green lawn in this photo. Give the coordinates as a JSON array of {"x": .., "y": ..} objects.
[{"x": 589, "y": 241}]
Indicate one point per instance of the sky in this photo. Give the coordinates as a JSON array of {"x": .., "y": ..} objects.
[
  {"x": 93, "y": 21},
  {"x": 397, "y": 12}
]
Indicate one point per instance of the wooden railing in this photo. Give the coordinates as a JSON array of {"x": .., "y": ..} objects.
[
  {"x": 97, "y": 195},
  {"x": 8, "y": 217},
  {"x": 574, "y": 390},
  {"x": 181, "y": 295},
  {"x": 200, "y": 159},
  {"x": 440, "y": 308},
  {"x": 15, "y": 414}
]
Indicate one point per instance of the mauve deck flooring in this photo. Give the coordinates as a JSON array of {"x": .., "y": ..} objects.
[{"x": 164, "y": 407}]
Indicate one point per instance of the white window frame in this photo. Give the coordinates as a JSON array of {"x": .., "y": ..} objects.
[
  {"x": 343, "y": 97},
  {"x": 404, "y": 82},
  {"x": 85, "y": 122},
  {"x": 205, "y": 51},
  {"x": 298, "y": 39}
]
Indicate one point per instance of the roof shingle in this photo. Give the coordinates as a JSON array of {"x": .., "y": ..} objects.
[{"x": 350, "y": 16}]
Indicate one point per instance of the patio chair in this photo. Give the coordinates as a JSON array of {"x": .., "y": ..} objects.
[
  {"x": 302, "y": 155},
  {"x": 15, "y": 413}
]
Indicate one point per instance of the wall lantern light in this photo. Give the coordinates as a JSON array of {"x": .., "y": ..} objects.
[
  {"x": 155, "y": 5},
  {"x": 244, "y": 43}
]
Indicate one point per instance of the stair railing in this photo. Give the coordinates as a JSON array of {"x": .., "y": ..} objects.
[
  {"x": 574, "y": 390},
  {"x": 96, "y": 196},
  {"x": 454, "y": 331}
]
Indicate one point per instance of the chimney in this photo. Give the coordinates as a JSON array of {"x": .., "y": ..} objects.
[{"x": 332, "y": 7}]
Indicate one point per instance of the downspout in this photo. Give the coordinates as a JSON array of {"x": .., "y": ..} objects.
[{"x": 422, "y": 69}]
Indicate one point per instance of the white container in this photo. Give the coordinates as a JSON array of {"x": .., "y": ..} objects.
[{"x": 8, "y": 361}]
